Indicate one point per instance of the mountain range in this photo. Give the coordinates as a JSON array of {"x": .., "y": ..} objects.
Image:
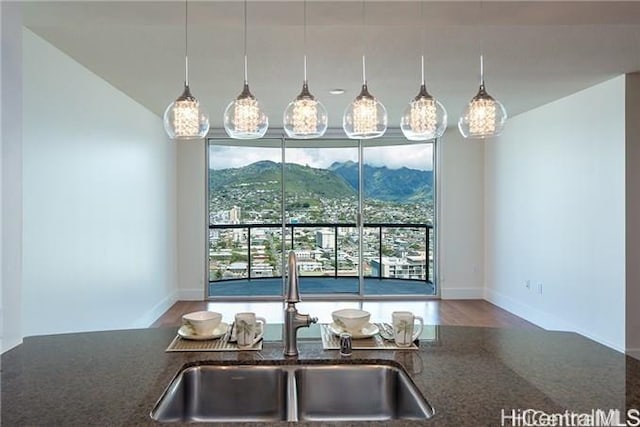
[
  {"x": 382, "y": 183},
  {"x": 340, "y": 180}
]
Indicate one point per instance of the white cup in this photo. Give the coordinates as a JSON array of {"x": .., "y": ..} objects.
[
  {"x": 247, "y": 331},
  {"x": 202, "y": 322},
  {"x": 404, "y": 331}
]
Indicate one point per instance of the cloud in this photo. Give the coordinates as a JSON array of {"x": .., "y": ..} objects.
[
  {"x": 415, "y": 156},
  {"x": 225, "y": 157}
]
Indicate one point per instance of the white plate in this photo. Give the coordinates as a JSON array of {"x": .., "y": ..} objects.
[
  {"x": 367, "y": 331},
  {"x": 187, "y": 333}
]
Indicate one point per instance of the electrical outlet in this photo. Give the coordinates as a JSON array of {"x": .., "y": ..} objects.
[
  {"x": 540, "y": 288},
  {"x": 527, "y": 284}
]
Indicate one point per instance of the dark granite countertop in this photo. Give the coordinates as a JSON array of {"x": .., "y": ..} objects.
[{"x": 468, "y": 374}]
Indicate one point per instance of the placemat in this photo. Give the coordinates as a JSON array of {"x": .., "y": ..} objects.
[
  {"x": 220, "y": 344},
  {"x": 332, "y": 342}
]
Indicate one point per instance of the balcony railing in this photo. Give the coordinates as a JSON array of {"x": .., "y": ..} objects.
[{"x": 400, "y": 251}]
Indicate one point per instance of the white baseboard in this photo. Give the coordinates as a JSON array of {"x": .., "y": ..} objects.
[
  {"x": 192, "y": 294},
  {"x": 634, "y": 352},
  {"x": 525, "y": 311},
  {"x": 541, "y": 318},
  {"x": 158, "y": 310},
  {"x": 6, "y": 345},
  {"x": 8, "y": 340},
  {"x": 461, "y": 293}
]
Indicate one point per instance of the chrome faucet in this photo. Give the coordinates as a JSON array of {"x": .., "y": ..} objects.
[{"x": 292, "y": 319}]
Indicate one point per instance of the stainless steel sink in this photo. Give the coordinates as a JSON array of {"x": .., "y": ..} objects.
[
  {"x": 358, "y": 393},
  {"x": 224, "y": 394},
  {"x": 300, "y": 392}
]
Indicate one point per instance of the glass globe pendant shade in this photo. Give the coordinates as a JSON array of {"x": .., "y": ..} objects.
[
  {"x": 305, "y": 117},
  {"x": 365, "y": 117},
  {"x": 484, "y": 116},
  {"x": 244, "y": 117},
  {"x": 425, "y": 118},
  {"x": 185, "y": 118}
]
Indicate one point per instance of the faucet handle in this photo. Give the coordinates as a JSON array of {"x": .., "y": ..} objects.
[{"x": 313, "y": 320}]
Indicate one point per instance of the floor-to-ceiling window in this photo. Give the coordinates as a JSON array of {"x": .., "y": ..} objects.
[
  {"x": 398, "y": 213},
  {"x": 358, "y": 214},
  {"x": 245, "y": 218}
]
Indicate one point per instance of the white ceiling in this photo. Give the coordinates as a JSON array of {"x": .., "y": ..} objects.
[{"x": 535, "y": 52}]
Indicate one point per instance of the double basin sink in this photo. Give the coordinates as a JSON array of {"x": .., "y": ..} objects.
[{"x": 204, "y": 392}]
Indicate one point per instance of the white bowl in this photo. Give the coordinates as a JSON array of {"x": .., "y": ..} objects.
[
  {"x": 202, "y": 322},
  {"x": 351, "y": 319}
]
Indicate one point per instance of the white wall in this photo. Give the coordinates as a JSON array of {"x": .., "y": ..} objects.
[
  {"x": 461, "y": 216},
  {"x": 555, "y": 201},
  {"x": 191, "y": 220},
  {"x": 11, "y": 176},
  {"x": 99, "y": 201},
  {"x": 632, "y": 194}
]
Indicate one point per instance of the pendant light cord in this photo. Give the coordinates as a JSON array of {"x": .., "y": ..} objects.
[
  {"x": 246, "y": 71},
  {"x": 422, "y": 41},
  {"x": 186, "y": 43},
  {"x": 364, "y": 70},
  {"x": 304, "y": 40},
  {"x": 481, "y": 41},
  {"x": 364, "y": 45}
]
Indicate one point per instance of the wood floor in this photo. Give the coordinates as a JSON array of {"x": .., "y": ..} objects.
[{"x": 434, "y": 312}]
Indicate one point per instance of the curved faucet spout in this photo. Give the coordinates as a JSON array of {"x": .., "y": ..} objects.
[{"x": 293, "y": 293}]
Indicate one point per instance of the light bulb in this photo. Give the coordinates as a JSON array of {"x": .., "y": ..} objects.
[
  {"x": 365, "y": 117},
  {"x": 484, "y": 116},
  {"x": 244, "y": 118},
  {"x": 425, "y": 118},
  {"x": 305, "y": 117},
  {"x": 185, "y": 118}
]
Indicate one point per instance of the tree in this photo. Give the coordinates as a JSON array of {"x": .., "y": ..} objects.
[{"x": 236, "y": 257}]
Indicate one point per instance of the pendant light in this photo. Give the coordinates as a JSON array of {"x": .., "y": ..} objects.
[
  {"x": 305, "y": 117},
  {"x": 365, "y": 117},
  {"x": 425, "y": 118},
  {"x": 185, "y": 118},
  {"x": 244, "y": 117},
  {"x": 484, "y": 116}
]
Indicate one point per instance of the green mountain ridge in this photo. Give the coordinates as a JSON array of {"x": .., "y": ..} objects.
[
  {"x": 300, "y": 180},
  {"x": 340, "y": 180},
  {"x": 403, "y": 185}
]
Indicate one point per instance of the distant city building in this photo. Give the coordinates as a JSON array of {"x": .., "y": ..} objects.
[
  {"x": 308, "y": 266},
  {"x": 223, "y": 253},
  {"x": 258, "y": 234},
  {"x": 317, "y": 254},
  {"x": 234, "y": 215},
  {"x": 261, "y": 270},
  {"x": 325, "y": 239},
  {"x": 238, "y": 235},
  {"x": 303, "y": 254},
  {"x": 411, "y": 267},
  {"x": 237, "y": 269}
]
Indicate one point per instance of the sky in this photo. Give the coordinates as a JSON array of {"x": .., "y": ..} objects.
[{"x": 415, "y": 156}]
